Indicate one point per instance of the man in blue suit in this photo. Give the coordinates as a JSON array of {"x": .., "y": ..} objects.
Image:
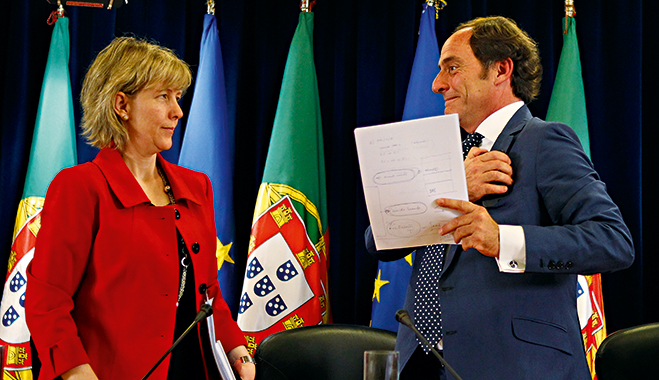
[{"x": 538, "y": 216}]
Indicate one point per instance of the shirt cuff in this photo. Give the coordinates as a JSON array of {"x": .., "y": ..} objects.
[{"x": 512, "y": 249}]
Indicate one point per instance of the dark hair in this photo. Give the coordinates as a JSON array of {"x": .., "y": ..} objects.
[{"x": 495, "y": 39}]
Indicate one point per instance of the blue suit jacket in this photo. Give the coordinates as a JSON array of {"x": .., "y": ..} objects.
[{"x": 524, "y": 325}]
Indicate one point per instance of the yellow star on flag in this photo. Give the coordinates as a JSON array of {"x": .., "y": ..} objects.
[
  {"x": 378, "y": 284},
  {"x": 222, "y": 254}
]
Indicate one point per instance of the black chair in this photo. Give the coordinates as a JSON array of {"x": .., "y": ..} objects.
[
  {"x": 323, "y": 352},
  {"x": 631, "y": 353}
]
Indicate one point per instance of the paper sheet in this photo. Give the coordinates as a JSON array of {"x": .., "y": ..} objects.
[
  {"x": 405, "y": 167},
  {"x": 221, "y": 359}
]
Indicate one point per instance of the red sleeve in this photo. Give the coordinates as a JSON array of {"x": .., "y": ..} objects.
[
  {"x": 61, "y": 254},
  {"x": 226, "y": 329}
]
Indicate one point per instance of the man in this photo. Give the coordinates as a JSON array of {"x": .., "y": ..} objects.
[{"x": 505, "y": 297}]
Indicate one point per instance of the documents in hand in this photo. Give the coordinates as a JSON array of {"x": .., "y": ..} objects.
[{"x": 405, "y": 167}]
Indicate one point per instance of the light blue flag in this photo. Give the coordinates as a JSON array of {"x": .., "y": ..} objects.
[
  {"x": 208, "y": 147},
  {"x": 392, "y": 277}
]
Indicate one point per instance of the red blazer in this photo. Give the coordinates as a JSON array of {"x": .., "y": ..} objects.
[{"x": 104, "y": 279}]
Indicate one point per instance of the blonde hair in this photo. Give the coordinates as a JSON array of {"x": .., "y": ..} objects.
[{"x": 126, "y": 65}]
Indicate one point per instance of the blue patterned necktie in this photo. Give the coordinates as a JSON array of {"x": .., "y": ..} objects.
[
  {"x": 428, "y": 315},
  {"x": 472, "y": 140},
  {"x": 427, "y": 310}
]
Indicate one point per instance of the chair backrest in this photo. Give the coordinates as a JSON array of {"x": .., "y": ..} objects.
[
  {"x": 632, "y": 353},
  {"x": 323, "y": 352}
]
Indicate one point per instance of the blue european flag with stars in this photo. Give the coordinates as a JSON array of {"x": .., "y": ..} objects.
[
  {"x": 392, "y": 277},
  {"x": 208, "y": 147}
]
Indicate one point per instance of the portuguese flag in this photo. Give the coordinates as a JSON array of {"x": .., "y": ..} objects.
[
  {"x": 285, "y": 284},
  {"x": 568, "y": 105},
  {"x": 53, "y": 149}
]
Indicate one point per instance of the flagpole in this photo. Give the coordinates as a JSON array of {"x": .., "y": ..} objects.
[
  {"x": 60, "y": 9},
  {"x": 569, "y": 12},
  {"x": 307, "y": 5},
  {"x": 438, "y": 5},
  {"x": 569, "y": 8}
]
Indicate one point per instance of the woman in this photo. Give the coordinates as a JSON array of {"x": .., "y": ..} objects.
[{"x": 126, "y": 253}]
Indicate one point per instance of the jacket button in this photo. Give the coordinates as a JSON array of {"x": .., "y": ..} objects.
[
  {"x": 551, "y": 265},
  {"x": 568, "y": 265},
  {"x": 559, "y": 265},
  {"x": 203, "y": 288},
  {"x": 177, "y": 214},
  {"x": 195, "y": 247}
]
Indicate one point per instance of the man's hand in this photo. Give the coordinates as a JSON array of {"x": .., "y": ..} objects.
[
  {"x": 487, "y": 173},
  {"x": 474, "y": 229}
]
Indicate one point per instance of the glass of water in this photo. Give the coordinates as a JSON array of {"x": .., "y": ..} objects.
[{"x": 380, "y": 365}]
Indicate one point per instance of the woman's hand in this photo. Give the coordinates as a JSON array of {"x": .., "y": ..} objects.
[
  {"x": 81, "y": 372},
  {"x": 246, "y": 371}
]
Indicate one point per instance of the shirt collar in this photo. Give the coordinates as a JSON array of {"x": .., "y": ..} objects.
[{"x": 492, "y": 126}]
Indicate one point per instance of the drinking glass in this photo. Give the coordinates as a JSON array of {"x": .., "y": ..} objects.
[{"x": 380, "y": 365}]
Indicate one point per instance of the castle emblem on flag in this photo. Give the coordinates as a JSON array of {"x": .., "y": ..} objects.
[{"x": 275, "y": 284}]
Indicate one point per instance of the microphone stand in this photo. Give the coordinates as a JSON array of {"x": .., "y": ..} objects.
[
  {"x": 402, "y": 316},
  {"x": 204, "y": 312}
]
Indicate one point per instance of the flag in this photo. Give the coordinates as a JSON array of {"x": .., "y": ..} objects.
[
  {"x": 53, "y": 149},
  {"x": 285, "y": 284},
  {"x": 568, "y": 105},
  {"x": 208, "y": 147},
  {"x": 392, "y": 277},
  {"x": 568, "y": 102}
]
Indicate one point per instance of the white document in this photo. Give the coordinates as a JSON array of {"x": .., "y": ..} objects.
[
  {"x": 405, "y": 167},
  {"x": 223, "y": 365}
]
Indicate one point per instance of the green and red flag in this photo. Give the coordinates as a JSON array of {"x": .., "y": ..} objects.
[
  {"x": 53, "y": 149},
  {"x": 285, "y": 284},
  {"x": 568, "y": 105}
]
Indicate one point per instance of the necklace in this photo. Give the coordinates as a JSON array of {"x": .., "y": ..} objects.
[
  {"x": 184, "y": 266},
  {"x": 167, "y": 188},
  {"x": 185, "y": 259}
]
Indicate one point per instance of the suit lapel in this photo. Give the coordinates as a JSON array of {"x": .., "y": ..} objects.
[
  {"x": 503, "y": 143},
  {"x": 510, "y": 131},
  {"x": 448, "y": 257}
]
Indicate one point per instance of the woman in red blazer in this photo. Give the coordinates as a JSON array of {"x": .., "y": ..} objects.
[{"x": 126, "y": 252}]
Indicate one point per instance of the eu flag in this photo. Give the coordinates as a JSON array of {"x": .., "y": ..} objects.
[
  {"x": 208, "y": 147},
  {"x": 392, "y": 277}
]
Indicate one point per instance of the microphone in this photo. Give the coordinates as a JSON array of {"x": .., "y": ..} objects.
[
  {"x": 403, "y": 317},
  {"x": 205, "y": 311}
]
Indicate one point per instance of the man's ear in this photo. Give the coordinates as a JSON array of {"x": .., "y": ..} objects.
[
  {"x": 121, "y": 106},
  {"x": 504, "y": 70}
]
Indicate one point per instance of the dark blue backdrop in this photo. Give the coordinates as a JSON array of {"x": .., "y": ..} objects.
[{"x": 363, "y": 52}]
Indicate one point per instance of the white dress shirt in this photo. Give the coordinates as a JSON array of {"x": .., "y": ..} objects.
[{"x": 512, "y": 244}]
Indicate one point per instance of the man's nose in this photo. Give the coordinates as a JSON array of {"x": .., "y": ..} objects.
[{"x": 439, "y": 85}]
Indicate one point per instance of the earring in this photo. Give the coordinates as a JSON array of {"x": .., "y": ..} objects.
[{"x": 125, "y": 117}]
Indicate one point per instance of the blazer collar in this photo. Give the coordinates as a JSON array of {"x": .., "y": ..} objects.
[
  {"x": 125, "y": 186},
  {"x": 514, "y": 126}
]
